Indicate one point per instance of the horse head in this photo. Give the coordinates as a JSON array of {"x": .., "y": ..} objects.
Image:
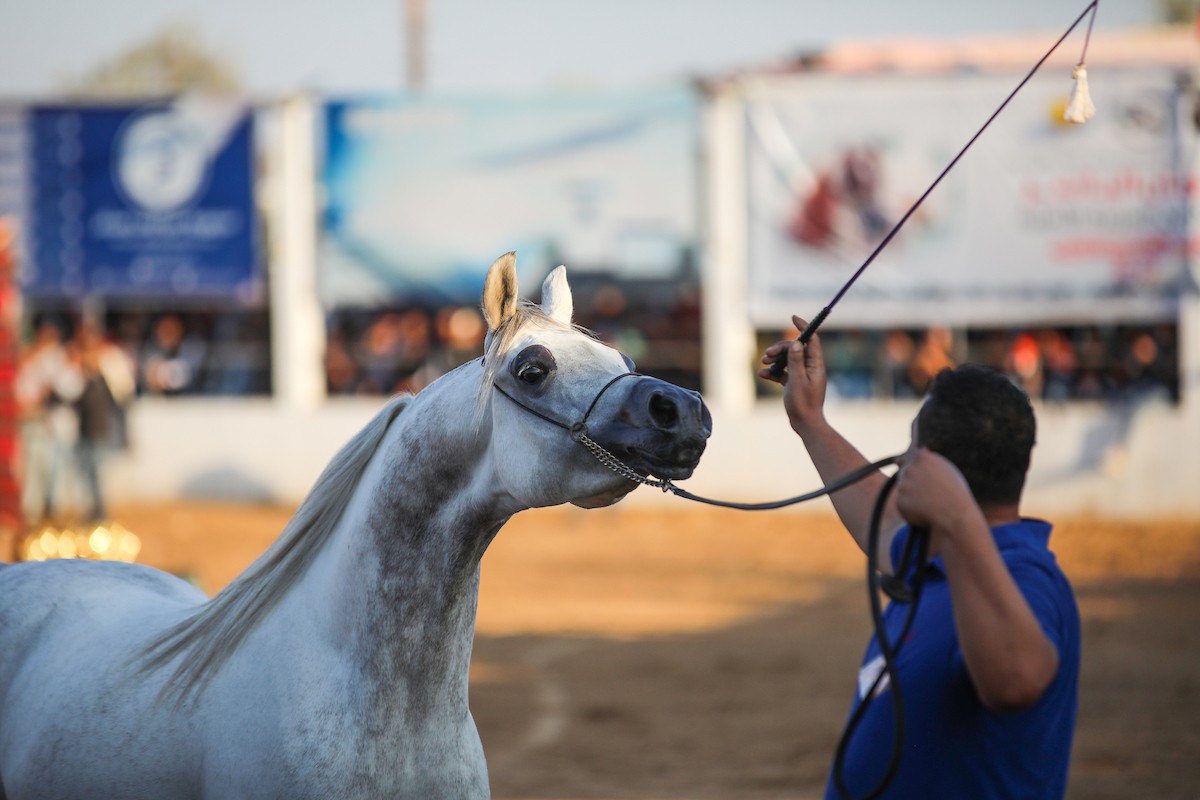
[{"x": 550, "y": 387}]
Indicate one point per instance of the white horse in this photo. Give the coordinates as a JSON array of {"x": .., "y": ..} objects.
[{"x": 336, "y": 665}]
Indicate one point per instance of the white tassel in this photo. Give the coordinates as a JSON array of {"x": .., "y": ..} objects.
[{"x": 1079, "y": 107}]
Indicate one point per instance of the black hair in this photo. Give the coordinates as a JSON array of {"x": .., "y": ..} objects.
[{"x": 983, "y": 423}]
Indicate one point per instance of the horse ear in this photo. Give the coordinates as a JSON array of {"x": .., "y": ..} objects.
[
  {"x": 500, "y": 291},
  {"x": 556, "y": 296}
]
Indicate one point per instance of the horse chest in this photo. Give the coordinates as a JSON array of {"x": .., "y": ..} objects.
[
  {"x": 337, "y": 740},
  {"x": 344, "y": 761}
]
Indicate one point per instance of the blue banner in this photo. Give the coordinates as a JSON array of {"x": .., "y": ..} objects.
[{"x": 146, "y": 201}]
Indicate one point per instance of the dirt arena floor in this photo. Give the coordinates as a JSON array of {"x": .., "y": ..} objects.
[{"x": 711, "y": 654}]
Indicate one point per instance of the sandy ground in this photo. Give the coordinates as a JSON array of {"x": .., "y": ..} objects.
[{"x": 711, "y": 654}]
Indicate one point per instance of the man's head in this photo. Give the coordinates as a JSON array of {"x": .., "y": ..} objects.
[{"x": 979, "y": 420}]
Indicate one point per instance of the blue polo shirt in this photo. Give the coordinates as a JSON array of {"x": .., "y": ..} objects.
[{"x": 954, "y": 747}]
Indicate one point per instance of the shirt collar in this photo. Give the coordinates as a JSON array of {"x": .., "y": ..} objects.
[{"x": 1028, "y": 533}]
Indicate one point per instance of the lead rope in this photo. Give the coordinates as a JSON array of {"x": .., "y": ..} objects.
[
  {"x": 833, "y": 486},
  {"x": 913, "y": 559}
]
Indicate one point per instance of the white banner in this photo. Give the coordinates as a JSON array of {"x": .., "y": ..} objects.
[
  {"x": 421, "y": 194},
  {"x": 1040, "y": 221}
]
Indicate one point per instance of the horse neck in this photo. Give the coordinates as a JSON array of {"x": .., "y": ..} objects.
[{"x": 400, "y": 577}]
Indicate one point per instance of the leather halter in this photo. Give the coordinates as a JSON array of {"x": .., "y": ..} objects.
[{"x": 579, "y": 432}]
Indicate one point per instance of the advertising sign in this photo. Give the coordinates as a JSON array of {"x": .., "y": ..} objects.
[
  {"x": 1041, "y": 221},
  {"x": 140, "y": 201},
  {"x": 422, "y": 194}
]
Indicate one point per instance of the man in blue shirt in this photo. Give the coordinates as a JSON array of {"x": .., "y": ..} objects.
[{"x": 989, "y": 668}]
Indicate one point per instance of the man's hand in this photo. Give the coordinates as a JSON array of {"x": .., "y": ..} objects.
[
  {"x": 932, "y": 493},
  {"x": 832, "y": 455},
  {"x": 803, "y": 382}
]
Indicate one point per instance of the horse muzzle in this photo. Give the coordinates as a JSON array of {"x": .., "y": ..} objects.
[{"x": 661, "y": 430}]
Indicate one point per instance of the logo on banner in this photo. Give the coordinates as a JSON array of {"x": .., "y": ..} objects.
[{"x": 162, "y": 161}]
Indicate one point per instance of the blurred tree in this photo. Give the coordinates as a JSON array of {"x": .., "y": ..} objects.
[
  {"x": 168, "y": 63},
  {"x": 1176, "y": 11}
]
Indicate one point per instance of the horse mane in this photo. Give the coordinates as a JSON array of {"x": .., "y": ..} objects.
[{"x": 207, "y": 638}]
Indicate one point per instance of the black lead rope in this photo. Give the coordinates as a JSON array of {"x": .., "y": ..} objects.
[
  {"x": 913, "y": 559},
  {"x": 833, "y": 486}
]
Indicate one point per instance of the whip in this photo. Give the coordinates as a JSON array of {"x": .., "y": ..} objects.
[{"x": 1079, "y": 110}]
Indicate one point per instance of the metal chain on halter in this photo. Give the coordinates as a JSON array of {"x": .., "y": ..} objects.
[{"x": 616, "y": 465}]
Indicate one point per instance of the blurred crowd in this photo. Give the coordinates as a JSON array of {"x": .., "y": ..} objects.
[
  {"x": 1088, "y": 362},
  {"x": 78, "y": 375},
  {"x": 194, "y": 352},
  {"x": 380, "y": 352},
  {"x": 384, "y": 351}
]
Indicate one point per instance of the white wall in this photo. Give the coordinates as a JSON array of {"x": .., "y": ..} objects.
[{"x": 1090, "y": 459}]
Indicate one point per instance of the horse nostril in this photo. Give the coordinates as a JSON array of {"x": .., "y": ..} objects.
[{"x": 663, "y": 411}]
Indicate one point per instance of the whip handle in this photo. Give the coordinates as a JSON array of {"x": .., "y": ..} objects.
[{"x": 780, "y": 363}]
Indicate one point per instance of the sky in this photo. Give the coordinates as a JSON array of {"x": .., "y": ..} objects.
[{"x": 342, "y": 47}]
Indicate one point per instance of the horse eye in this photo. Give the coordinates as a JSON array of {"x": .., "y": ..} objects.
[
  {"x": 533, "y": 364},
  {"x": 531, "y": 373}
]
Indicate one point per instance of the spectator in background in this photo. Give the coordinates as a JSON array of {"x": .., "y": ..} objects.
[
  {"x": 1059, "y": 364},
  {"x": 239, "y": 358},
  {"x": 1092, "y": 380},
  {"x": 106, "y": 385},
  {"x": 849, "y": 361},
  {"x": 1023, "y": 363},
  {"x": 898, "y": 351},
  {"x": 172, "y": 362},
  {"x": 342, "y": 375},
  {"x": 380, "y": 354},
  {"x": 1113, "y": 363},
  {"x": 48, "y": 429},
  {"x": 461, "y": 331},
  {"x": 416, "y": 339},
  {"x": 1141, "y": 365},
  {"x": 932, "y": 356},
  {"x": 1165, "y": 369}
]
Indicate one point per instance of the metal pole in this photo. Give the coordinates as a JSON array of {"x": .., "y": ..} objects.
[{"x": 414, "y": 38}]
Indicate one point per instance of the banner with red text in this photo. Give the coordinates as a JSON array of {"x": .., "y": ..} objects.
[{"x": 1040, "y": 221}]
